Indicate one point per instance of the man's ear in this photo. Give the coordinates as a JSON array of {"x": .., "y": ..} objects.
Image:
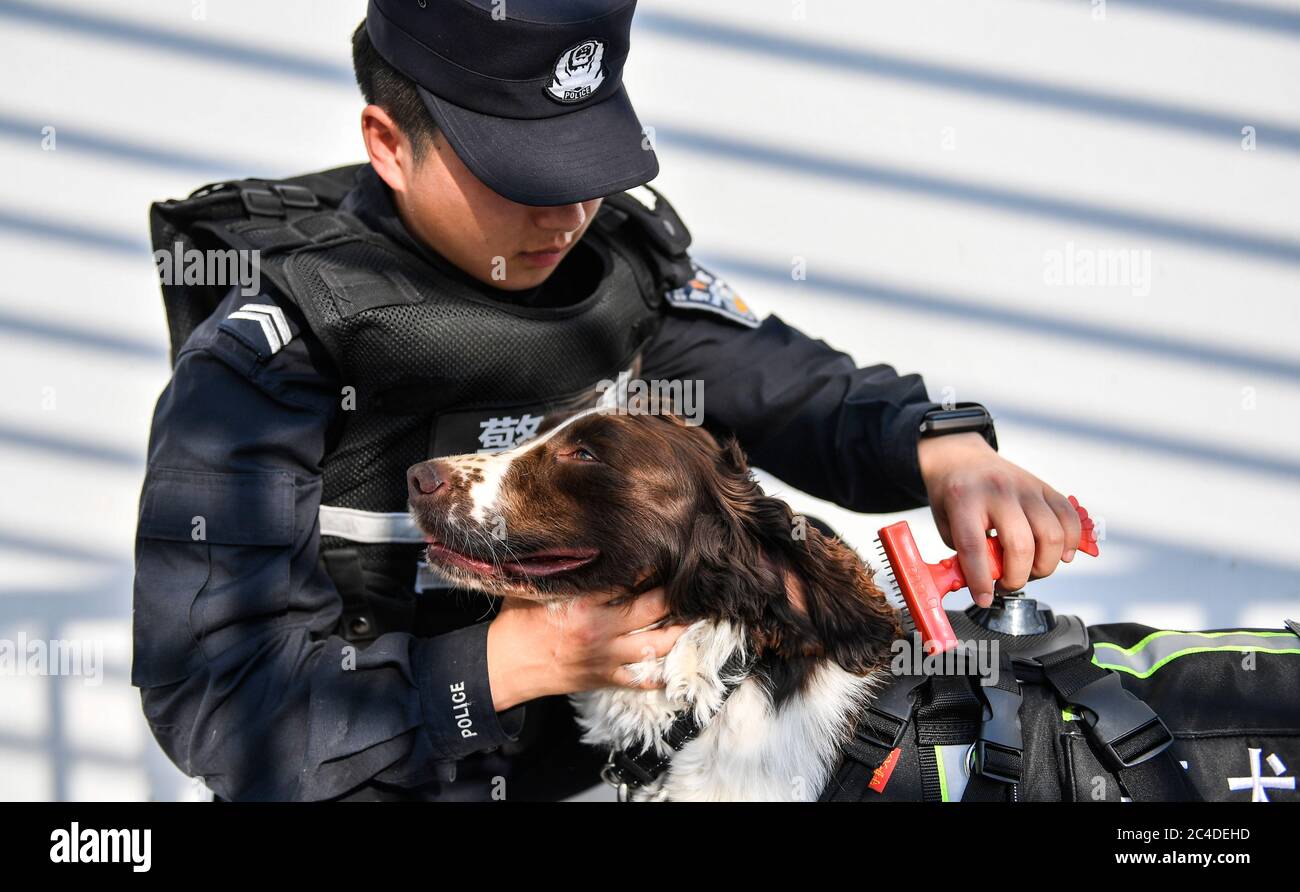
[{"x": 388, "y": 147}]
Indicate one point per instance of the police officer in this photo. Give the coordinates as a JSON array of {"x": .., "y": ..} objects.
[{"x": 473, "y": 283}]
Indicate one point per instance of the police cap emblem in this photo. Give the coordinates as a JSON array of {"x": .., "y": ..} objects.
[{"x": 578, "y": 72}]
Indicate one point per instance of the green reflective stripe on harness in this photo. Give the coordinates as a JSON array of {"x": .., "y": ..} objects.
[
  {"x": 951, "y": 760},
  {"x": 943, "y": 775},
  {"x": 1160, "y": 648}
]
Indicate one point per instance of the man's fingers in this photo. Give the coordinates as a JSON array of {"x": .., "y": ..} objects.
[
  {"x": 1049, "y": 537},
  {"x": 626, "y": 677},
  {"x": 941, "y": 523},
  {"x": 1017, "y": 540},
  {"x": 1069, "y": 519},
  {"x": 648, "y": 645},
  {"x": 969, "y": 537},
  {"x": 638, "y": 611}
]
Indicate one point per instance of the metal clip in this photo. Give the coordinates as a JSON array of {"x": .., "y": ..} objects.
[{"x": 607, "y": 774}]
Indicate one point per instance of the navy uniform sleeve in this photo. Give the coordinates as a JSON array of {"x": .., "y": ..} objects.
[
  {"x": 242, "y": 681},
  {"x": 801, "y": 409}
]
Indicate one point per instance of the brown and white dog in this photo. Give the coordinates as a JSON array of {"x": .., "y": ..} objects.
[{"x": 608, "y": 501}]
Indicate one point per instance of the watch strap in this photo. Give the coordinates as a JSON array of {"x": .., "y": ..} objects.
[{"x": 959, "y": 419}]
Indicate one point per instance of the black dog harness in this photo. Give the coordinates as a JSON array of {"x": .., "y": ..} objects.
[
  {"x": 1118, "y": 712},
  {"x": 1114, "y": 712}
]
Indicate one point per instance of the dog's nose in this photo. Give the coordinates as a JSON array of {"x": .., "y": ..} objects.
[{"x": 425, "y": 479}]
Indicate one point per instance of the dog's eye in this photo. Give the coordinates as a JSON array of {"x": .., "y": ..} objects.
[{"x": 581, "y": 453}]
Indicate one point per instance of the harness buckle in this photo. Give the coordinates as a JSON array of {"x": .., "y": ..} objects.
[
  {"x": 998, "y": 752},
  {"x": 894, "y": 708},
  {"x": 1115, "y": 717}
]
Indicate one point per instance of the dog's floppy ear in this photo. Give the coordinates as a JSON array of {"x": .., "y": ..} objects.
[
  {"x": 720, "y": 573},
  {"x": 849, "y": 615},
  {"x": 845, "y": 617},
  {"x": 723, "y": 574}
]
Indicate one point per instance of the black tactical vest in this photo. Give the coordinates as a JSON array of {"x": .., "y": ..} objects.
[{"x": 428, "y": 365}]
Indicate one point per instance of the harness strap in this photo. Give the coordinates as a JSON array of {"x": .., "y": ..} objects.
[
  {"x": 881, "y": 729},
  {"x": 951, "y": 714},
  {"x": 946, "y": 711},
  {"x": 1125, "y": 732}
]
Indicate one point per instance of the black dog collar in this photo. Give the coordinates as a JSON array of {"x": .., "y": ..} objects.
[{"x": 627, "y": 770}]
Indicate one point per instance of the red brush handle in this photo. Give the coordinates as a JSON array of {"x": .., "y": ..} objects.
[
  {"x": 949, "y": 578},
  {"x": 924, "y": 585},
  {"x": 947, "y": 573}
]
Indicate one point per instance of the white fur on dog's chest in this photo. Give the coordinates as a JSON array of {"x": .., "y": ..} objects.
[{"x": 748, "y": 751}]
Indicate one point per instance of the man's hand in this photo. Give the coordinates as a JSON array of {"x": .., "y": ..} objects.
[
  {"x": 535, "y": 651},
  {"x": 972, "y": 489}
]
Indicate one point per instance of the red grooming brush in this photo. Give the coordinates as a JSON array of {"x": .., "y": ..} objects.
[{"x": 923, "y": 585}]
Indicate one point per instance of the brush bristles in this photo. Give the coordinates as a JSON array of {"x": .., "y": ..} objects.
[{"x": 894, "y": 591}]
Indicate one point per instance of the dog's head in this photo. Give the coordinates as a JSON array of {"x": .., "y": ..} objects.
[{"x": 616, "y": 501}]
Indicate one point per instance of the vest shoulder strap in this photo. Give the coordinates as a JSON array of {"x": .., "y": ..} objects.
[{"x": 267, "y": 216}]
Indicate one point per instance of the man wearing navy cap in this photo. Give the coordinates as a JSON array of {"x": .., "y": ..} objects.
[
  {"x": 472, "y": 284},
  {"x": 533, "y": 102}
]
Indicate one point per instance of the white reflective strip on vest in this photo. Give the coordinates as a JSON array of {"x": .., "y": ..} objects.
[
  {"x": 1159, "y": 648},
  {"x": 368, "y": 526}
]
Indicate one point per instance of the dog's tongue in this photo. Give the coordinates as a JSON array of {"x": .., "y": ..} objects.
[
  {"x": 548, "y": 563},
  {"x": 541, "y": 563}
]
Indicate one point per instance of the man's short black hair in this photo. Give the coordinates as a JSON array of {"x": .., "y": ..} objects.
[{"x": 383, "y": 85}]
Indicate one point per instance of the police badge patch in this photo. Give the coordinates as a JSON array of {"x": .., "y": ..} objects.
[
  {"x": 705, "y": 291},
  {"x": 578, "y": 72}
]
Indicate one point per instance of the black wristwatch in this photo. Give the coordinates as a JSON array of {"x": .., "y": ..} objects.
[{"x": 963, "y": 417}]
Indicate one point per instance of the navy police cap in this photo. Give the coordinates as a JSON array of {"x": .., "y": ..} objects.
[{"x": 528, "y": 92}]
